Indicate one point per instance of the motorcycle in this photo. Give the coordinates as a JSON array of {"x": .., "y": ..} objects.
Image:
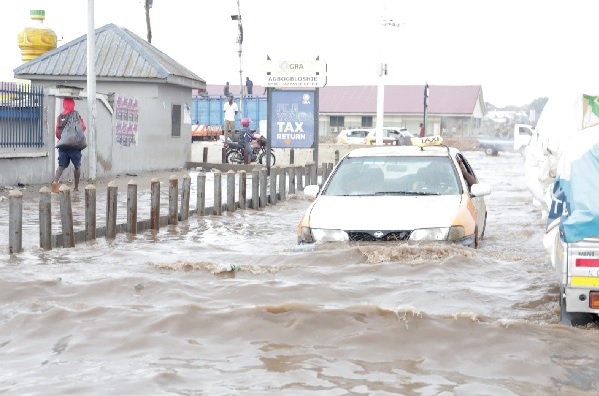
[{"x": 235, "y": 152}]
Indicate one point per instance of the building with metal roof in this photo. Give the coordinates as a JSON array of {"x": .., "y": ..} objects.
[
  {"x": 453, "y": 110},
  {"x": 143, "y": 100}
]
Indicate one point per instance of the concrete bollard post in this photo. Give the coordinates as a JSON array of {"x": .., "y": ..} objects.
[
  {"x": 231, "y": 191},
  {"x": 205, "y": 155},
  {"x": 299, "y": 177},
  {"x": 66, "y": 216},
  {"x": 218, "y": 201},
  {"x": 274, "y": 172},
  {"x": 242, "y": 189},
  {"x": 291, "y": 157},
  {"x": 155, "y": 204},
  {"x": 307, "y": 174},
  {"x": 111, "y": 209},
  {"x": 313, "y": 173},
  {"x": 45, "y": 218},
  {"x": 282, "y": 183},
  {"x": 201, "y": 194},
  {"x": 325, "y": 174},
  {"x": 173, "y": 200},
  {"x": 292, "y": 179},
  {"x": 224, "y": 156},
  {"x": 132, "y": 207},
  {"x": 329, "y": 169},
  {"x": 90, "y": 212},
  {"x": 15, "y": 221},
  {"x": 185, "y": 193},
  {"x": 336, "y": 157},
  {"x": 263, "y": 180},
  {"x": 255, "y": 189}
]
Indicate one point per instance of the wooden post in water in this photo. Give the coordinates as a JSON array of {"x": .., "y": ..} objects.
[
  {"x": 155, "y": 204},
  {"x": 185, "y": 193},
  {"x": 274, "y": 172},
  {"x": 173, "y": 200},
  {"x": 299, "y": 177},
  {"x": 255, "y": 188},
  {"x": 263, "y": 181},
  {"x": 218, "y": 200},
  {"x": 111, "y": 208},
  {"x": 282, "y": 183},
  {"x": 242, "y": 189},
  {"x": 231, "y": 191},
  {"x": 292, "y": 179},
  {"x": 45, "y": 218},
  {"x": 15, "y": 221},
  {"x": 132, "y": 207},
  {"x": 66, "y": 216},
  {"x": 90, "y": 212},
  {"x": 201, "y": 194}
]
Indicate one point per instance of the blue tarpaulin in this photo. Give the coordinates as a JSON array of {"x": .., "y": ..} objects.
[{"x": 576, "y": 189}]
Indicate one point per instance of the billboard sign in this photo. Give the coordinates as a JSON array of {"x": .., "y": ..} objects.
[{"x": 292, "y": 119}]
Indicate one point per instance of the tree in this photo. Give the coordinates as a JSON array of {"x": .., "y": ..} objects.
[{"x": 149, "y": 26}]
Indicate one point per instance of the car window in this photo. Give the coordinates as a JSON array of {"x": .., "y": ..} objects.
[{"x": 394, "y": 176}]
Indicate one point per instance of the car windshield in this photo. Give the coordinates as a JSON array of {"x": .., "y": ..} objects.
[{"x": 394, "y": 176}]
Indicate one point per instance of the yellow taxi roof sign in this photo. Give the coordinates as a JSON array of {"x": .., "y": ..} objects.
[{"x": 435, "y": 140}]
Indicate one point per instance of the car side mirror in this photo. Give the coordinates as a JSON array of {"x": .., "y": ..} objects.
[
  {"x": 480, "y": 189},
  {"x": 312, "y": 190}
]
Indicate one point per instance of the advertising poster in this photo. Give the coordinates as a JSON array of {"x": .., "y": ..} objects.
[
  {"x": 125, "y": 127},
  {"x": 292, "y": 121}
]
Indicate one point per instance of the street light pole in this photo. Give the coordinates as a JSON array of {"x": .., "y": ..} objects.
[{"x": 382, "y": 72}]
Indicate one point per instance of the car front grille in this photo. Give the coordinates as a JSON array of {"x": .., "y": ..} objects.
[{"x": 368, "y": 236}]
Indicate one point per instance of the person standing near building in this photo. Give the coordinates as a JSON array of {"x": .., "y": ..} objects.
[
  {"x": 226, "y": 92},
  {"x": 230, "y": 110},
  {"x": 66, "y": 156},
  {"x": 249, "y": 86},
  {"x": 421, "y": 134}
]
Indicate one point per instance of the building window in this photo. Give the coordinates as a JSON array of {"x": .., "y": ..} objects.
[
  {"x": 366, "y": 121},
  {"x": 176, "y": 121},
  {"x": 337, "y": 121}
]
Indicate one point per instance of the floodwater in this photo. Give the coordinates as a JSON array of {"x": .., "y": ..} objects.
[{"x": 157, "y": 314}]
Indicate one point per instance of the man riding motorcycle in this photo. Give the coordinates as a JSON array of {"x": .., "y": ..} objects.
[{"x": 248, "y": 136}]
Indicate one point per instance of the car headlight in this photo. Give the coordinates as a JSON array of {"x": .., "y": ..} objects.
[
  {"x": 324, "y": 235},
  {"x": 438, "y": 234}
]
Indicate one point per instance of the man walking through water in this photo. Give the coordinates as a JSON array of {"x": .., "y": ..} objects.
[{"x": 66, "y": 156}]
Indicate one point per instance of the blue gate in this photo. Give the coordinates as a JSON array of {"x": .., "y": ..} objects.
[{"x": 21, "y": 115}]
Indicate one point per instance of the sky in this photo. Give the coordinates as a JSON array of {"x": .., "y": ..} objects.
[{"x": 517, "y": 50}]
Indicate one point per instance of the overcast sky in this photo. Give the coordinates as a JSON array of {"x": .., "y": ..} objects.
[{"x": 517, "y": 50}]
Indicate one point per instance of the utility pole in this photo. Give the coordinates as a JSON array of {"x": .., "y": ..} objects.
[
  {"x": 239, "y": 41},
  {"x": 425, "y": 106}
]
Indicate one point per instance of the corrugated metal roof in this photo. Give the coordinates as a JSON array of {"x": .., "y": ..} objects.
[
  {"x": 120, "y": 54},
  {"x": 399, "y": 99}
]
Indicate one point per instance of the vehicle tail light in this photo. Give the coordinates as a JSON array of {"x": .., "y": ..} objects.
[
  {"x": 594, "y": 300},
  {"x": 587, "y": 262}
]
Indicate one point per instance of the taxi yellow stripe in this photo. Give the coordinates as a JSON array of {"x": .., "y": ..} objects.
[{"x": 585, "y": 281}]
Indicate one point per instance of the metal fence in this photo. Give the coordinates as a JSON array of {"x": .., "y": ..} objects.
[{"x": 21, "y": 115}]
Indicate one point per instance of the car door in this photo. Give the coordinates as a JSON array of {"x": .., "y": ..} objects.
[{"x": 478, "y": 202}]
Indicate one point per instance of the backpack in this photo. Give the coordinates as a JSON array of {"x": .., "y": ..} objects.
[{"x": 71, "y": 132}]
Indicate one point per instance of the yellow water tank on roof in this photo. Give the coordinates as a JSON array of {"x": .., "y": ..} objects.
[{"x": 37, "y": 39}]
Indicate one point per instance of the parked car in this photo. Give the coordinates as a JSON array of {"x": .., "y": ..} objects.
[
  {"x": 399, "y": 193},
  {"x": 353, "y": 136},
  {"x": 392, "y": 136}
]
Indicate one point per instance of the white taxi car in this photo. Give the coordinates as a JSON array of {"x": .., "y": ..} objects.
[
  {"x": 398, "y": 193},
  {"x": 352, "y": 136}
]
